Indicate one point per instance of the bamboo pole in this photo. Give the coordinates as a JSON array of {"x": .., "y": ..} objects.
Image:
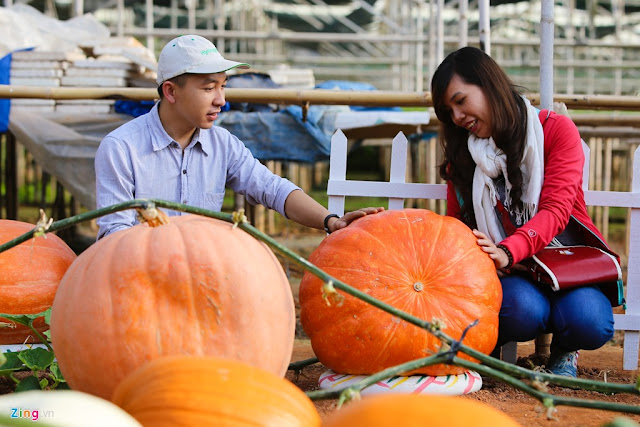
[{"x": 311, "y": 96}]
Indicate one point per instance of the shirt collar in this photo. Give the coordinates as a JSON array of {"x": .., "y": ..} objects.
[{"x": 160, "y": 139}]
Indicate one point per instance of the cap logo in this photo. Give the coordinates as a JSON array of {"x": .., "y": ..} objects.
[{"x": 208, "y": 51}]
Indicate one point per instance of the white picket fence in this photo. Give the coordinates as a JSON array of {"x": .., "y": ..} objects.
[{"x": 397, "y": 190}]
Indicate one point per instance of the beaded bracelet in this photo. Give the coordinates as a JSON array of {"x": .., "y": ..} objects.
[{"x": 508, "y": 252}]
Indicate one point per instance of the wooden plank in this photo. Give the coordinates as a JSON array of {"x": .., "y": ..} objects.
[
  {"x": 45, "y": 55},
  {"x": 93, "y": 81},
  {"x": 18, "y": 65},
  {"x": 384, "y": 189},
  {"x": 83, "y": 109},
  {"x": 26, "y": 101},
  {"x": 36, "y": 81},
  {"x": 36, "y": 72},
  {"x": 97, "y": 63},
  {"x": 34, "y": 108},
  {"x": 97, "y": 72}
]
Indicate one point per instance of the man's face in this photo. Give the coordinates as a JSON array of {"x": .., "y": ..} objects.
[{"x": 200, "y": 99}]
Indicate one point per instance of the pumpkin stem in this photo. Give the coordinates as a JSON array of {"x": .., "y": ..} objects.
[
  {"x": 152, "y": 216},
  {"x": 348, "y": 395},
  {"x": 42, "y": 225},
  {"x": 329, "y": 293},
  {"x": 238, "y": 217}
]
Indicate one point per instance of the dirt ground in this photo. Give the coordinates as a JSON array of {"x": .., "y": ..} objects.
[{"x": 606, "y": 361}]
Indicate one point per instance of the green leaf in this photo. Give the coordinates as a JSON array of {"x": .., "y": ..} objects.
[
  {"x": 47, "y": 334},
  {"x": 55, "y": 372},
  {"x": 37, "y": 359},
  {"x": 47, "y": 316},
  {"x": 44, "y": 383},
  {"x": 3, "y": 359},
  {"x": 12, "y": 363},
  {"x": 29, "y": 383},
  {"x": 23, "y": 319}
]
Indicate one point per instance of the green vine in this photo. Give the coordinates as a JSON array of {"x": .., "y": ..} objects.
[
  {"x": 34, "y": 359},
  {"x": 531, "y": 382}
]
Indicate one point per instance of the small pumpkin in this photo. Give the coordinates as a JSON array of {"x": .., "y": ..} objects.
[
  {"x": 29, "y": 278},
  {"x": 417, "y": 410},
  {"x": 206, "y": 391},
  {"x": 194, "y": 285},
  {"x": 423, "y": 263},
  {"x": 67, "y": 408}
]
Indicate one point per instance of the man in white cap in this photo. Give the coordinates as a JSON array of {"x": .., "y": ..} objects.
[{"x": 175, "y": 153}]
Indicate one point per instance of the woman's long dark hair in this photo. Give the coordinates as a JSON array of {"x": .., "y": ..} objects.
[{"x": 508, "y": 113}]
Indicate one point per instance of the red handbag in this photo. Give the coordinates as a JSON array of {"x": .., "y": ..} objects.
[{"x": 566, "y": 267}]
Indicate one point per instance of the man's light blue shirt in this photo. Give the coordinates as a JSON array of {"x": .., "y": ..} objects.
[{"x": 140, "y": 160}]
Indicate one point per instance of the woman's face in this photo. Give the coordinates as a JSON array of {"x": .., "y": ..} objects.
[{"x": 468, "y": 107}]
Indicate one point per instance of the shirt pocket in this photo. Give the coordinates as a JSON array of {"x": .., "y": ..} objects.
[{"x": 213, "y": 201}]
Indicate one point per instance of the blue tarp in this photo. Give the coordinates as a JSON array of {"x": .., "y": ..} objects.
[
  {"x": 282, "y": 135},
  {"x": 5, "y": 104}
]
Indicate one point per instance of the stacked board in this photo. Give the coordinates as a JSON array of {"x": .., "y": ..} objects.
[{"x": 115, "y": 62}]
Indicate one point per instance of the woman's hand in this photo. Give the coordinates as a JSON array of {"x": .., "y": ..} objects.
[
  {"x": 499, "y": 257},
  {"x": 346, "y": 219}
]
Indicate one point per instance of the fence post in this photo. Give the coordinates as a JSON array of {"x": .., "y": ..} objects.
[
  {"x": 337, "y": 169},
  {"x": 632, "y": 312},
  {"x": 398, "y": 171}
]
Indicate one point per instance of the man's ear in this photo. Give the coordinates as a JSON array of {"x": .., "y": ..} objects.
[{"x": 168, "y": 90}]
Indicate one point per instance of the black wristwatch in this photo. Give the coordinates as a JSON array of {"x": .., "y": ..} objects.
[{"x": 326, "y": 222}]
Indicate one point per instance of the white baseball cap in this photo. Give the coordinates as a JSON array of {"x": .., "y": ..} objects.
[{"x": 192, "y": 54}]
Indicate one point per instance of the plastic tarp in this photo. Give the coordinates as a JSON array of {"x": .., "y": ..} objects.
[
  {"x": 5, "y": 104},
  {"x": 66, "y": 147},
  {"x": 23, "y": 26},
  {"x": 283, "y": 135}
]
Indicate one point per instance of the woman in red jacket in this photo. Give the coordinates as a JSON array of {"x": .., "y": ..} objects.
[{"x": 500, "y": 151}]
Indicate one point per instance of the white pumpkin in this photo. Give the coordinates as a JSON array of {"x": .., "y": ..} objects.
[{"x": 62, "y": 408}]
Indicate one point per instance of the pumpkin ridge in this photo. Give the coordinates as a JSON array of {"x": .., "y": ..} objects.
[
  {"x": 116, "y": 246},
  {"x": 394, "y": 258},
  {"x": 419, "y": 263},
  {"x": 360, "y": 273},
  {"x": 385, "y": 263},
  {"x": 442, "y": 271},
  {"x": 184, "y": 229}
]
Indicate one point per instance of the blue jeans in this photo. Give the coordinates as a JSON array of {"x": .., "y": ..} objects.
[{"x": 581, "y": 318}]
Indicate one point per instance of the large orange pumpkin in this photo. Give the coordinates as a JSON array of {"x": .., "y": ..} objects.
[
  {"x": 426, "y": 264},
  {"x": 29, "y": 276},
  {"x": 205, "y": 391},
  {"x": 193, "y": 286},
  {"x": 418, "y": 410}
]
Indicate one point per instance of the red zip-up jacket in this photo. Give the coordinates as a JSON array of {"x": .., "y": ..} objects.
[{"x": 561, "y": 195}]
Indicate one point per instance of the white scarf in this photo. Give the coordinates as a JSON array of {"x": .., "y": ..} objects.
[{"x": 491, "y": 162}]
